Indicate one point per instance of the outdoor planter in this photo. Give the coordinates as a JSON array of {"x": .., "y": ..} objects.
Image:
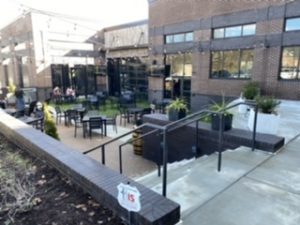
[
  {"x": 174, "y": 115},
  {"x": 227, "y": 122},
  {"x": 266, "y": 123},
  {"x": 243, "y": 108},
  {"x": 267, "y": 118},
  {"x": 177, "y": 109}
]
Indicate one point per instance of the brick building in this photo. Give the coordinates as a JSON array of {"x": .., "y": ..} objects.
[
  {"x": 43, "y": 51},
  {"x": 217, "y": 46},
  {"x": 39, "y": 50}
]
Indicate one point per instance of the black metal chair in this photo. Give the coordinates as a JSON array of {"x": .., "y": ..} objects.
[
  {"x": 31, "y": 108},
  {"x": 112, "y": 121},
  {"x": 145, "y": 112},
  {"x": 73, "y": 115},
  {"x": 95, "y": 123},
  {"x": 70, "y": 115}
]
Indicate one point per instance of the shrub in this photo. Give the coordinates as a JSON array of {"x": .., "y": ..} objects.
[
  {"x": 178, "y": 105},
  {"x": 251, "y": 90},
  {"x": 50, "y": 127},
  {"x": 267, "y": 104},
  {"x": 11, "y": 88}
]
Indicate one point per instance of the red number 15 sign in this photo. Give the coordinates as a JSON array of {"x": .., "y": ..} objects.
[{"x": 129, "y": 197}]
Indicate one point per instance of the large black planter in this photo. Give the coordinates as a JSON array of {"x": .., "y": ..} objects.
[
  {"x": 174, "y": 115},
  {"x": 227, "y": 123}
]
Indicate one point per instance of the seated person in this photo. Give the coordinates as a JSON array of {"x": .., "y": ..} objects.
[
  {"x": 56, "y": 94},
  {"x": 70, "y": 94},
  {"x": 38, "y": 111}
]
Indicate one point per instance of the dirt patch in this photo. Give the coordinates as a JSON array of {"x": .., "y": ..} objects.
[{"x": 32, "y": 193}]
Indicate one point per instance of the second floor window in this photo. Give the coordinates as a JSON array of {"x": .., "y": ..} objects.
[
  {"x": 234, "y": 31},
  {"x": 292, "y": 24},
  {"x": 178, "y": 38}
]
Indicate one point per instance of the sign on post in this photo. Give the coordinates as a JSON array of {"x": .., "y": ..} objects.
[{"x": 129, "y": 197}]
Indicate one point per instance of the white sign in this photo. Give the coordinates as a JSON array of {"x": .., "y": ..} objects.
[{"x": 129, "y": 197}]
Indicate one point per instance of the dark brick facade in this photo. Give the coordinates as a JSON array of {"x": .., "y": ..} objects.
[{"x": 182, "y": 142}]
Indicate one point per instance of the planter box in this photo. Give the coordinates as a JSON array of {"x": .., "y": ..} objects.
[
  {"x": 174, "y": 115},
  {"x": 243, "y": 109},
  {"x": 266, "y": 123},
  {"x": 215, "y": 122}
]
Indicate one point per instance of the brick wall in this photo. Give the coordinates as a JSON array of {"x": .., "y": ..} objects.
[
  {"x": 162, "y": 11},
  {"x": 267, "y": 43}
]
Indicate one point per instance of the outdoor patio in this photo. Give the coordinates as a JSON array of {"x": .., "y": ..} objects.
[{"x": 133, "y": 165}]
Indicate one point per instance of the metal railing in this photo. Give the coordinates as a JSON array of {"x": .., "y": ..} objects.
[
  {"x": 102, "y": 146},
  {"x": 192, "y": 118}
]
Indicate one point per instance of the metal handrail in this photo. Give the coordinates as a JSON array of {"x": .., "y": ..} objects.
[
  {"x": 171, "y": 127},
  {"x": 220, "y": 143},
  {"x": 102, "y": 146},
  {"x": 130, "y": 142}
]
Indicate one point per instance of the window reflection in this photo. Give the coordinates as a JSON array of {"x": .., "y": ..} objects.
[
  {"x": 233, "y": 31},
  {"x": 219, "y": 33},
  {"x": 290, "y": 63},
  {"x": 292, "y": 24},
  {"x": 177, "y": 38},
  {"x": 236, "y": 31},
  {"x": 169, "y": 39},
  {"x": 249, "y": 30},
  {"x": 236, "y": 64},
  {"x": 189, "y": 36},
  {"x": 181, "y": 64}
]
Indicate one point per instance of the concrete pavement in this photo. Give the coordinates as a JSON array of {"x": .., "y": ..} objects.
[
  {"x": 253, "y": 188},
  {"x": 133, "y": 165}
]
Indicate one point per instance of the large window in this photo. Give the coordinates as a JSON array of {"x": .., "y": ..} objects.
[
  {"x": 235, "y": 64},
  {"x": 177, "y": 38},
  {"x": 292, "y": 24},
  {"x": 234, "y": 31},
  {"x": 181, "y": 64},
  {"x": 290, "y": 63}
]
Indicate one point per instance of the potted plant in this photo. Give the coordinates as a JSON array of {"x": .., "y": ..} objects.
[
  {"x": 267, "y": 117},
  {"x": 250, "y": 91},
  {"x": 215, "y": 118},
  {"x": 177, "y": 109}
]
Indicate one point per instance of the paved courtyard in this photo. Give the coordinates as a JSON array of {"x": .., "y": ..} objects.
[
  {"x": 133, "y": 165},
  {"x": 253, "y": 188}
]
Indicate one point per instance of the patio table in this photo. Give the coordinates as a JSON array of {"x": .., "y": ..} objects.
[{"x": 86, "y": 119}]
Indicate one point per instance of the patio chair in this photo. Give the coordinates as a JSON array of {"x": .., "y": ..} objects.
[
  {"x": 123, "y": 115},
  {"x": 112, "y": 121},
  {"x": 59, "y": 114},
  {"x": 145, "y": 112},
  {"x": 70, "y": 115},
  {"x": 95, "y": 123}
]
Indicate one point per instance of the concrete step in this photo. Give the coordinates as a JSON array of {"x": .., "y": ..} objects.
[
  {"x": 175, "y": 171},
  {"x": 196, "y": 182}
]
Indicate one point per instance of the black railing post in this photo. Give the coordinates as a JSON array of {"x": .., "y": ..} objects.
[
  {"x": 103, "y": 154},
  {"x": 220, "y": 146},
  {"x": 165, "y": 162},
  {"x": 197, "y": 141},
  {"x": 254, "y": 128},
  {"x": 120, "y": 159},
  {"x": 158, "y": 170}
]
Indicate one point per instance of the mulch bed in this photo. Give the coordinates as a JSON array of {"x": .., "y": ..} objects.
[{"x": 56, "y": 200}]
